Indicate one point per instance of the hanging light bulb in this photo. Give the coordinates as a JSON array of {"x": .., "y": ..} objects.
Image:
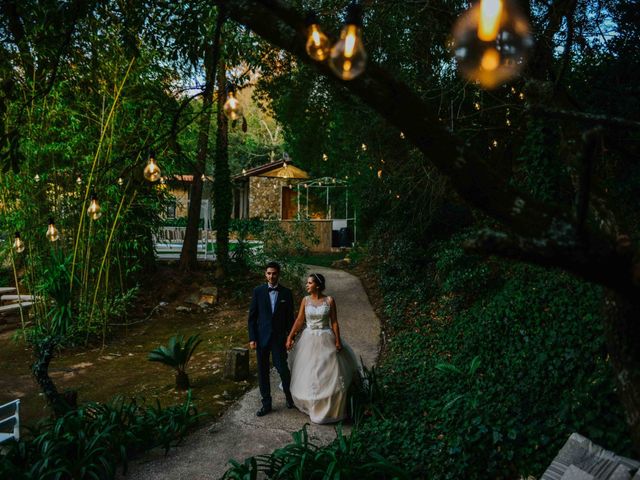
[
  {"x": 379, "y": 173},
  {"x": 37, "y": 178},
  {"x": 491, "y": 42},
  {"x": 521, "y": 95},
  {"x": 232, "y": 108},
  {"x": 363, "y": 147},
  {"x": 152, "y": 171},
  {"x": 348, "y": 58},
  {"x": 508, "y": 122},
  {"x": 94, "y": 211},
  {"x": 18, "y": 244},
  {"x": 52, "y": 232},
  {"x": 476, "y": 105},
  {"x": 317, "y": 42},
  {"x": 244, "y": 171},
  {"x": 120, "y": 181},
  {"x": 325, "y": 157},
  {"x": 494, "y": 143},
  {"x": 79, "y": 180},
  {"x": 402, "y": 135}
]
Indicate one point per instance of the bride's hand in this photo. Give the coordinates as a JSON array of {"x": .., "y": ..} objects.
[
  {"x": 338, "y": 345},
  {"x": 289, "y": 344}
]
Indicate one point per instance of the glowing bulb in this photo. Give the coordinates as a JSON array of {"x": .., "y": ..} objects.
[
  {"x": 508, "y": 122},
  {"x": 37, "y": 178},
  {"x": 513, "y": 90},
  {"x": 120, "y": 181},
  {"x": 232, "y": 107},
  {"x": 348, "y": 58},
  {"x": 491, "y": 42},
  {"x": 402, "y": 135},
  {"x": 152, "y": 171},
  {"x": 18, "y": 244},
  {"x": 94, "y": 211},
  {"x": 363, "y": 147},
  {"x": 476, "y": 105},
  {"x": 202, "y": 177},
  {"x": 244, "y": 171},
  {"x": 494, "y": 143},
  {"x": 490, "y": 14},
  {"x": 79, "y": 180},
  {"x": 379, "y": 173},
  {"x": 325, "y": 157},
  {"x": 317, "y": 42},
  {"x": 52, "y": 232},
  {"x": 521, "y": 96}
]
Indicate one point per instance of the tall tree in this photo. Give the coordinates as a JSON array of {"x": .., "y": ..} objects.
[
  {"x": 189, "y": 253},
  {"x": 222, "y": 180}
]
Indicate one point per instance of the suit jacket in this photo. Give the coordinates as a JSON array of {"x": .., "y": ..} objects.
[{"x": 264, "y": 324}]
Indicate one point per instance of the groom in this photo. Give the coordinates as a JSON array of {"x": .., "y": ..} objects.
[{"x": 270, "y": 320}]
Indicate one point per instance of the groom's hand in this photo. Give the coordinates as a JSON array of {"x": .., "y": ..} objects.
[{"x": 252, "y": 345}]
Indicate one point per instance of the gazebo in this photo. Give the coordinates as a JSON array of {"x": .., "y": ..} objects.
[{"x": 333, "y": 194}]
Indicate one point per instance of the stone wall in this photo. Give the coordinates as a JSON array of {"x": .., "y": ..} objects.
[{"x": 265, "y": 196}]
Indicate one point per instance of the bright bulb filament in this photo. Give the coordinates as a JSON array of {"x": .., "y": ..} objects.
[
  {"x": 350, "y": 41},
  {"x": 315, "y": 35},
  {"x": 490, "y": 16}
]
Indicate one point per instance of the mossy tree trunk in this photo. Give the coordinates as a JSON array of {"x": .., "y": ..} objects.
[{"x": 222, "y": 181}]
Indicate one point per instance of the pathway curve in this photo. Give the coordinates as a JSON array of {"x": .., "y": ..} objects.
[{"x": 239, "y": 433}]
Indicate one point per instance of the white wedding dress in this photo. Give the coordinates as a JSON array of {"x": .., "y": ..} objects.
[{"x": 320, "y": 375}]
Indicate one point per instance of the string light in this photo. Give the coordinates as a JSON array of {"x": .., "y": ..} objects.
[
  {"x": 476, "y": 105},
  {"x": 152, "y": 171},
  {"x": 348, "y": 58},
  {"x": 379, "y": 173},
  {"x": 120, "y": 181},
  {"x": 79, "y": 180},
  {"x": 232, "y": 107},
  {"x": 508, "y": 122},
  {"x": 521, "y": 95},
  {"x": 244, "y": 171},
  {"x": 494, "y": 143},
  {"x": 325, "y": 157},
  {"x": 363, "y": 147},
  {"x": 317, "y": 45},
  {"x": 491, "y": 42},
  {"x": 513, "y": 90},
  {"x": 18, "y": 244},
  {"x": 402, "y": 135},
  {"x": 37, "y": 178},
  {"x": 94, "y": 211},
  {"x": 52, "y": 232}
]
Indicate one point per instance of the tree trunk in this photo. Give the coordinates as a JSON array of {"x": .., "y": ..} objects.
[
  {"x": 189, "y": 253},
  {"x": 43, "y": 350},
  {"x": 222, "y": 181},
  {"x": 622, "y": 330},
  {"x": 182, "y": 380}
]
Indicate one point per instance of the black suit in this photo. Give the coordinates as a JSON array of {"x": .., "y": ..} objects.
[{"x": 269, "y": 329}]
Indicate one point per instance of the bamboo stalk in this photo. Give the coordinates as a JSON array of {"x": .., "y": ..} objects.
[{"x": 93, "y": 166}]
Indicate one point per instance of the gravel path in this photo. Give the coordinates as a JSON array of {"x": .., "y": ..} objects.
[{"x": 239, "y": 433}]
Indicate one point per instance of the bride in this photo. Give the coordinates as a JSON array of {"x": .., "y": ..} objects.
[{"x": 322, "y": 366}]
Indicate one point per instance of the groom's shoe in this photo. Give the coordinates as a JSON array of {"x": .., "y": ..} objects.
[
  {"x": 263, "y": 411},
  {"x": 290, "y": 403}
]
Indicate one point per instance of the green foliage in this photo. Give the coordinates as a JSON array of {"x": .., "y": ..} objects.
[
  {"x": 303, "y": 459},
  {"x": 93, "y": 440},
  {"x": 176, "y": 355},
  {"x": 490, "y": 366}
]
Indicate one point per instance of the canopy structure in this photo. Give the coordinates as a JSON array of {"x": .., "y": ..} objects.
[{"x": 334, "y": 193}]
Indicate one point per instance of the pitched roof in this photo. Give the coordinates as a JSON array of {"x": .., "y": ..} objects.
[{"x": 280, "y": 169}]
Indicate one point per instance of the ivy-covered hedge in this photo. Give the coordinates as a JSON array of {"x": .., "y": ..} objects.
[{"x": 490, "y": 365}]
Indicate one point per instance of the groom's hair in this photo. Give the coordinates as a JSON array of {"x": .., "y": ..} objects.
[{"x": 275, "y": 265}]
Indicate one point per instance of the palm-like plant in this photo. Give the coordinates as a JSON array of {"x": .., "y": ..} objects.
[{"x": 177, "y": 354}]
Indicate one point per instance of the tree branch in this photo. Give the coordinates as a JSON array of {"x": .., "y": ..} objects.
[{"x": 550, "y": 228}]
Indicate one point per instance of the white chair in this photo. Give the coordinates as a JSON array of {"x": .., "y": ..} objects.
[{"x": 10, "y": 421}]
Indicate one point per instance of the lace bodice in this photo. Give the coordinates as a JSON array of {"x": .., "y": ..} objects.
[{"x": 317, "y": 314}]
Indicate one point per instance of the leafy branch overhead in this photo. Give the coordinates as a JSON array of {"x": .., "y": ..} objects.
[{"x": 540, "y": 232}]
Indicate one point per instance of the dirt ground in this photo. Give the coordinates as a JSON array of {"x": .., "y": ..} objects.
[{"x": 122, "y": 368}]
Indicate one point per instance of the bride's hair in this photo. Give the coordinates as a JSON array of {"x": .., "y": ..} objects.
[{"x": 318, "y": 279}]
